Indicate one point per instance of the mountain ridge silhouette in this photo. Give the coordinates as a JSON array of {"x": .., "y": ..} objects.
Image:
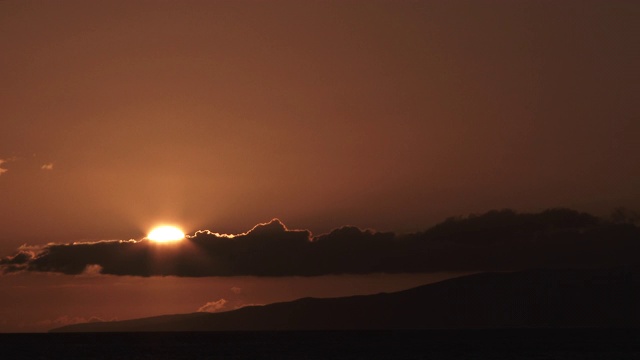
[{"x": 531, "y": 298}]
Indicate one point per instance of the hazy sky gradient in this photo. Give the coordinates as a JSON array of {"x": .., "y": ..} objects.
[
  {"x": 381, "y": 114},
  {"x": 116, "y": 116}
]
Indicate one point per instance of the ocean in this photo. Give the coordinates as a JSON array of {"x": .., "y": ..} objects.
[{"x": 583, "y": 344}]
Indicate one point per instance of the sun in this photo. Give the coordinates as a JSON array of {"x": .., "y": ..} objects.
[{"x": 163, "y": 234}]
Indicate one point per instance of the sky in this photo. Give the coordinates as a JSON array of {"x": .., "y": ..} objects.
[{"x": 117, "y": 116}]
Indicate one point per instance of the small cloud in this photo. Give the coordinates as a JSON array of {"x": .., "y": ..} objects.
[
  {"x": 6, "y": 161},
  {"x": 3, "y": 170},
  {"x": 92, "y": 270},
  {"x": 48, "y": 166},
  {"x": 22, "y": 257},
  {"x": 236, "y": 290},
  {"x": 213, "y": 306}
]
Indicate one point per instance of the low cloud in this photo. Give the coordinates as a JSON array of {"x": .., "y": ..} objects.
[
  {"x": 213, "y": 306},
  {"x": 68, "y": 320},
  {"x": 48, "y": 166},
  {"x": 240, "y": 306},
  {"x": 496, "y": 241},
  {"x": 18, "y": 261},
  {"x": 92, "y": 270}
]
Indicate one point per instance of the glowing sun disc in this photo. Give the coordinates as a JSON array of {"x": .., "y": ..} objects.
[{"x": 165, "y": 234}]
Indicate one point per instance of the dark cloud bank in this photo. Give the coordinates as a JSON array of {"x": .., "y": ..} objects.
[{"x": 497, "y": 240}]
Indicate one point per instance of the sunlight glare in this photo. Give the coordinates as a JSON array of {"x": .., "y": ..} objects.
[{"x": 165, "y": 234}]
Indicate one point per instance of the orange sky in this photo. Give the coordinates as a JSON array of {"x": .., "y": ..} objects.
[{"x": 119, "y": 115}]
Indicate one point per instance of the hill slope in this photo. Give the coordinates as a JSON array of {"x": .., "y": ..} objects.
[{"x": 541, "y": 298}]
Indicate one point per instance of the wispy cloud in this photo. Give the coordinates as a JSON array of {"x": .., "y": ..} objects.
[
  {"x": 48, "y": 166},
  {"x": 5, "y": 161},
  {"x": 68, "y": 320},
  {"x": 2, "y": 169}
]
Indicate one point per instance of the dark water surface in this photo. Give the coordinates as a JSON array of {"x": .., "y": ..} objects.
[{"x": 427, "y": 344}]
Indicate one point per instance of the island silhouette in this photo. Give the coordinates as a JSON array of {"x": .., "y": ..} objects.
[{"x": 585, "y": 298}]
